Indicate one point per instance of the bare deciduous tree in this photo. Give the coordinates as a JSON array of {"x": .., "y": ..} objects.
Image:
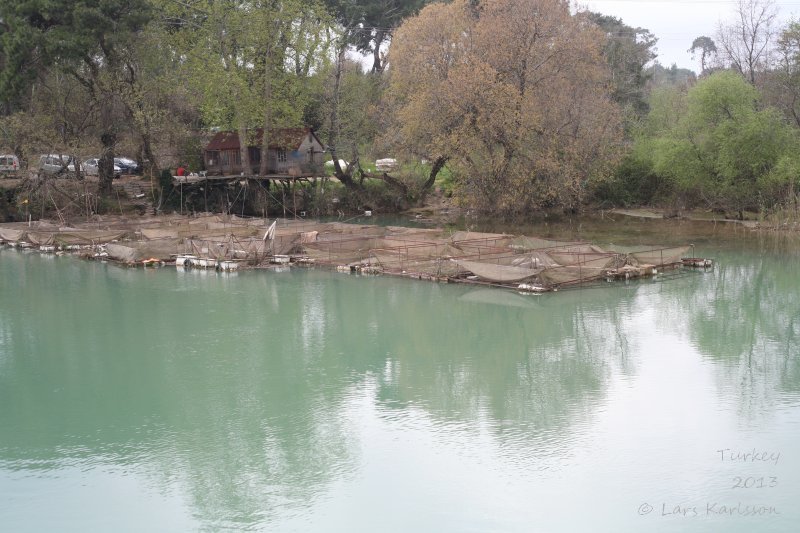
[{"x": 745, "y": 44}]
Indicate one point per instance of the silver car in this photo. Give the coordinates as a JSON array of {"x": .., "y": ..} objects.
[
  {"x": 56, "y": 164},
  {"x": 91, "y": 167}
]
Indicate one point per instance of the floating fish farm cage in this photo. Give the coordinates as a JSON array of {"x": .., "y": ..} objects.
[{"x": 230, "y": 243}]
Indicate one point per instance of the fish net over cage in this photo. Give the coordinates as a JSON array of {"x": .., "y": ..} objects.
[{"x": 462, "y": 256}]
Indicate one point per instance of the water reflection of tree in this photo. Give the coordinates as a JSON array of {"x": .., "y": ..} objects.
[
  {"x": 745, "y": 317},
  {"x": 240, "y": 389},
  {"x": 191, "y": 385},
  {"x": 526, "y": 370}
]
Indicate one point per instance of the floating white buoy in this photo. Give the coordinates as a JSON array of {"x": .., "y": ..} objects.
[
  {"x": 184, "y": 260},
  {"x": 529, "y": 287},
  {"x": 228, "y": 266}
]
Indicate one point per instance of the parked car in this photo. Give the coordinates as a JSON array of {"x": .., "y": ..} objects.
[
  {"x": 91, "y": 167},
  {"x": 127, "y": 165},
  {"x": 9, "y": 165},
  {"x": 56, "y": 164}
]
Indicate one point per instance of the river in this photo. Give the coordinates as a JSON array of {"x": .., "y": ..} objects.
[{"x": 309, "y": 400}]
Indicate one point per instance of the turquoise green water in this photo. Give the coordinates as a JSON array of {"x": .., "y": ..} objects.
[{"x": 308, "y": 400}]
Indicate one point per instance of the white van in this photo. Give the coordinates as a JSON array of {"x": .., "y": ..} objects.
[{"x": 9, "y": 165}]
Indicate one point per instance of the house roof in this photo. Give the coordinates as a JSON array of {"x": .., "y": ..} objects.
[{"x": 281, "y": 139}]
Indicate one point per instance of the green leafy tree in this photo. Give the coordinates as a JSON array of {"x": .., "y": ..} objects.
[
  {"x": 364, "y": 25},
  {"x": 249, "y": 62},
  {"x": 368, "y": 24},
  {"x": 722, "y": 149},
  {"x": 660, "y": 76},
  {"x": 707, "y": 49},
  {"x": 627, "y": 51},
  {"x": 85, "y": 40}
]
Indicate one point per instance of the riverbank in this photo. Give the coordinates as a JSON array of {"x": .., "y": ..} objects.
[
  {"x": 440, "y": 211},
  {"x": 133, "y": 196}
]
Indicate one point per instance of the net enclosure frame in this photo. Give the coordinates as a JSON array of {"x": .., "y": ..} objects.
[{"x": 496, "y": 259}]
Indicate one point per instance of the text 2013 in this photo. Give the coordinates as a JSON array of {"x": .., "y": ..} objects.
[{"x": 767, "y": 482}]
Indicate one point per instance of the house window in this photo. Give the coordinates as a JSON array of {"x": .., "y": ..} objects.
[{"x": 281, "y": 156}]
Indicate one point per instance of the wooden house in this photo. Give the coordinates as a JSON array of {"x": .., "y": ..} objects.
[{"x": 292, "y": 152}]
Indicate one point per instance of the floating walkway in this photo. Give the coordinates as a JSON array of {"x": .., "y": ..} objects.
[{"x": 230, "y": 243}]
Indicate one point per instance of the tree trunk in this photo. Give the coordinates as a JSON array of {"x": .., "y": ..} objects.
[
  {"x": 391, "y": 180},
  {"x": 149, "y": 163},
  {"x": 377, "y": 61},
  {"x": 263, "y": 169},
  {"x": 438, "y": 165},
  {"x": 344, "y": 177},
  {"x": 243, "y": 151},
  {"x": 106, "y": 163}
]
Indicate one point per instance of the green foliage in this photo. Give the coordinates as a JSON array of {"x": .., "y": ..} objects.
[
  {"x": 783, "y": 180},
  {"x": 706, "y": 47},
  {"x": 368, "y": 24},
  {"x": 86, "y": 41},
  {"x": 717, "y": 145},
  {"x": 673, "y": 76},
  {"x": 627, "y": 50},
  {"x": 40, "y": 33},
  {"x": 634, "y": 182},
  {"x": 165, "y": 179},
  {"x": 7, "y": 208},
  {"x": 245, "y": 61},
  {"x": 191, "y": 154},
  {"x": 358, "y": 112},
  {"x": 445, "y": 180}
]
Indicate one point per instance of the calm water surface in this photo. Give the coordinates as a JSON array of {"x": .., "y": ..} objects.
[{"x": 136, "y": 400}]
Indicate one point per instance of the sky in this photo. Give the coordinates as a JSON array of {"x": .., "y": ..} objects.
[{"x": 676, "y": 23}]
